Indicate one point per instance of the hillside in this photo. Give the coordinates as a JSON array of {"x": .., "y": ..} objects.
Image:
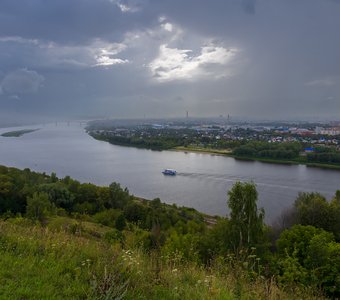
[
  {"x": 81, "y": 261},
  {"x": 60, "y": 238}
]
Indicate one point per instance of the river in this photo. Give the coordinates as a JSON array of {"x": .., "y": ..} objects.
[{"x": 202, "y": 180}]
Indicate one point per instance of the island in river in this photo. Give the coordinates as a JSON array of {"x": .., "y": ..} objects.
[{"x": 18, "y": 133}]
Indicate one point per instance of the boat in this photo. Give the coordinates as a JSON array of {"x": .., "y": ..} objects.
[{"x": 169, "y": 172}]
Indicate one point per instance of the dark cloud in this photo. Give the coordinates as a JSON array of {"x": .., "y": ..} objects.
[
  {"x": 161, "y": 58},
  {"x": 69, "y": 21},
  {"x": 249, "y": 6},
  {"x": 21, "y": 82}
]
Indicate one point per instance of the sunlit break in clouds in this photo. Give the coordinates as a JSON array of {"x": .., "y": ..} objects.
[{"x": 129, "y": 58}]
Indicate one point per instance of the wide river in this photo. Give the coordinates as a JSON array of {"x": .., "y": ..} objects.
[{"x": 202, "y": 180}]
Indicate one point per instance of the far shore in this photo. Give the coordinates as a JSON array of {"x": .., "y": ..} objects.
[
  {"x": 223, "y": 152},
  {"x": 228, "y": 152}
]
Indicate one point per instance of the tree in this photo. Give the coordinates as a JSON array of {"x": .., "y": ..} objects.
[
  {"x": 39, "y": 207},
  {"x": 246, "y": 221},
  {"x": 58, "y": 194},
  {"x": 119, "y": 197},
  {"x": 335, "y": 216},
  {"x": 310, "y": 255},
  {"x": 313, "y": 209},
  {"x": 296, "y": 241},
  {"x": 6, "y": 187},
  {"x": 120, "y": 222}
]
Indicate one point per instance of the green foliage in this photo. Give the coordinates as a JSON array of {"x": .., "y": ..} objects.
[
  {"x": 182, "y": 245},
  {"x": 135, "y": 212},
  {"x": 168, "y": 237},
  {"x": 39, "y": 207},
  {"x": 18, "y": 133},
  {"x": 58, "y": 194},
  {"x": 215, "y": 242},
  {"x": 269, "y": 150},
  {"x": 41, "y": 264},
  {"x": 246, "y": 227},
  {"x": 310, "y": 256},
  {"x": 292, "y": 271},
  {"x": 114, "y": 236},
  {"x": 334, "y": 210},
  {"x": 120, "y": 222},
  {"x": 313, "y": 209},
  {"x": 6, "y": 184},
  {"x": 119, "y": 197},
  {"x": 107, "y": 217},
  {"x": 324, "y": 155},
  {"x": 296, "y": 241}
]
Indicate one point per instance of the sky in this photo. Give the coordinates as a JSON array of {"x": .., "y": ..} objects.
[{"x": 261, "y": 59}]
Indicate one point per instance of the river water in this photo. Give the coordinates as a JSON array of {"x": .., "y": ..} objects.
[{"x": 202, "y": 180}]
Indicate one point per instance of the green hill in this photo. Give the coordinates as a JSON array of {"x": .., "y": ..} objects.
[{"x": 62, "y": 239}]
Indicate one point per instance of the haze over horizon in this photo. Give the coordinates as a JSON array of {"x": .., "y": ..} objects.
[{"x": 128, "y": 58}]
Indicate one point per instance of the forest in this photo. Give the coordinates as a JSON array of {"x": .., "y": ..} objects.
[{"x": 101, "y": 242}]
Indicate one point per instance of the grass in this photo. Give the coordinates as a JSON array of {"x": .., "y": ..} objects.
[
  {"x": 18, "y": 133},
  {"x": 38, "y": 263},
  {"x": 204, "y": 150},
  {"x": 64, "y": 261}
]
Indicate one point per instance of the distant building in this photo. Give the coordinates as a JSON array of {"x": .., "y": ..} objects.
[
  {"x": 309, "y": 150},
  {"x": 157, "y": 126},
  {"x": 331, "y": 131}
]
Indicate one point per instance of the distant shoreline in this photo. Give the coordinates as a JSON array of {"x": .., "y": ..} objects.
[
  {"x": 228, "y": 153},
  {"x": 264, "y": 160}
]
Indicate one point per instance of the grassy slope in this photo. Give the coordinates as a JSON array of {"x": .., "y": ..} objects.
[{"x": 64, "y": 261}]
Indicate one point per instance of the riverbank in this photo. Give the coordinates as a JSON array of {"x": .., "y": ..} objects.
[
  {"x": 160, "y": 145},
  {"x": 203, "y": 150},
  {"x": 228, "y": 152}
]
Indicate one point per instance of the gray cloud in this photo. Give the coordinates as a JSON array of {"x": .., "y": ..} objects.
[
  {"x": 21, "y": 81},
  {"x": 134, "y": 57},
  {"x": 321, "y": 82},
  {"x": 249, "y": 6}
]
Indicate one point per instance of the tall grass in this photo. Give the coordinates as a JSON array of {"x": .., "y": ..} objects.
[{"x": 62, "y": 263}]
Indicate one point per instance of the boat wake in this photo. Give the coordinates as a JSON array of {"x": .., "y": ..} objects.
[{"x": 233, "y": 179}]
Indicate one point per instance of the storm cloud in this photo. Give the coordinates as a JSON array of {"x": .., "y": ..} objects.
[
  {"x": 130, "y": 58},
  {"x": 21, "y": 82}
]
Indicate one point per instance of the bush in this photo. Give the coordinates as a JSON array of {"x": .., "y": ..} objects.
[{"x": 39, "y": 207}]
